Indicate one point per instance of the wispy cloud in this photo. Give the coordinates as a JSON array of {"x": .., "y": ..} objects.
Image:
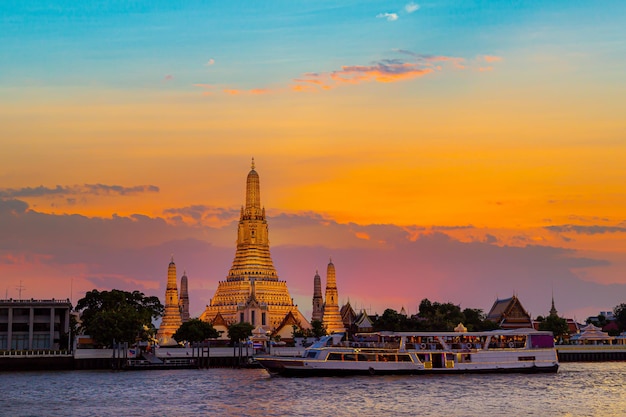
[
  {"x": 93, "y": 189},
  {"x": 168, "y": 77},
  {"x": 492, "y": 58},
  {"x": 383, "y": 71},
  {"x": 411, "y": 7},
  {"x": 407, "y": 65},
  {"x": 210, "y": 62},
  {"x": 390, "y": 17},
  {"x": 585, "y": 230}
]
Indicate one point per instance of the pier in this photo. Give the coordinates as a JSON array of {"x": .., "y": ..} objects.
[{"x": 591, "y": 353}]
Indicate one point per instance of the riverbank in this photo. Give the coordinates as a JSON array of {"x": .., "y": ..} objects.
[
  {"x": 228, "y": 357},
  {"x": 216, "y": 357}
]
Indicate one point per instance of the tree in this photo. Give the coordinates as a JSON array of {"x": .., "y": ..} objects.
[
  {"x": 118, "y": 315},
  {"x": 318, "y": 329},
  {"x": 195, "y": 330},
  {"x": 240, "y": 331},
  {"x": 555, "y": 324}
]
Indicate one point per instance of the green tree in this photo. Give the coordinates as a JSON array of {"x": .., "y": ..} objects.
[
  {"x": 118, "y": 315},
  {"x": 318, "y": 329},
  {"x": 476, "y": 321},
  {"x": 195, "y": 330},
  {"x": 555, "y": 324},
  {"x": 240, "y": 331}
]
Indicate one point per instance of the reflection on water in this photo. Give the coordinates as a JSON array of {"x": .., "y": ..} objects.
[{"x": 579, "y": 389}]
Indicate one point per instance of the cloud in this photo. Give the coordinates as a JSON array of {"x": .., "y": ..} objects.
[
  {"x": 411, "y": 7},
  {"x": 389, "y": 16},
  {"x": 585, "y": 230},
  {"x": 168, "y": 77},
  {"x": 132, "y": 252},
  {"x": 468, "y": 226},
  {"x": 13, "y": 206},
  {"x": 382, "y": 71},
  {"x": 210, "y": 62},
  {"x": 491, "y": 58},
  {"x": 94, "y": 189},
  {"x": 200, "y": 214}
]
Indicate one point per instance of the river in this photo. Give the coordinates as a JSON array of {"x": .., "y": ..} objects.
[{"x": 578, "y": 389}]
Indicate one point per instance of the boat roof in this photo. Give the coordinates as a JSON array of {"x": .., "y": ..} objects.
[{"x": 507, "y": 332}]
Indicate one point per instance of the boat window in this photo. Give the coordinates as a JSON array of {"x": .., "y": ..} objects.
[
  {"x": 424, "y": 358},
  {"x": 334, "y": 356},
  {"x": 349, "y": 357},
  {"x": 366, "y": 357},
  {"x": 312, "y": 354},
  {"x": 526, "y": 358},
  {"x": 404, "y": 358}
]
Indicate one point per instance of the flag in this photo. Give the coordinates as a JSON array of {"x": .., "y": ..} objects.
[{"x": 131, "y": 353}]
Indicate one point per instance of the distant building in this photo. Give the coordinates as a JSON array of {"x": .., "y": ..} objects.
[
  {"x": 509, "y": 313},
  {"x": 34, "y": 324},
  {"x": 348, "y": 315}
]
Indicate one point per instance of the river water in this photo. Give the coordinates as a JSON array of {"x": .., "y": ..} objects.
[{"x": 578, "y": 389}]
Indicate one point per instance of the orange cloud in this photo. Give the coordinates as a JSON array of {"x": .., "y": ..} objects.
[
  {"x": 492, "y": 58},
  {"x": 257, "y": 91},
  {"x": 384, "y": 71}
]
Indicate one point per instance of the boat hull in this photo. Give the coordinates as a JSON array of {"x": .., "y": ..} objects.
[{"x": 301, "y": 368}]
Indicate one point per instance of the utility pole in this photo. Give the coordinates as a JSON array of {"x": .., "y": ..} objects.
[{"x": 19, "y": 289}]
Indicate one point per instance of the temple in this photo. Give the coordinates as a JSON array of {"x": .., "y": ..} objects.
[
  {"x": 252, "y": 291},
  {"x": 171, "y": 317}
]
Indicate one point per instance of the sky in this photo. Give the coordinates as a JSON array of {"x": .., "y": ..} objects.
[{"x": 460, "y": 151}]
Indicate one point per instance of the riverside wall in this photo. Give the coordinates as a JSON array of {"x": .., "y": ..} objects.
[{"x": 83, "y": 359}]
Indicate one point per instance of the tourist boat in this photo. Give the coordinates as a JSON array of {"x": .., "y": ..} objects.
[{"x": 520, "y": 350}]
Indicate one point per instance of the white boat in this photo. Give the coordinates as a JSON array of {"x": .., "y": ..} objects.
[{"x": 520, "y": 350}]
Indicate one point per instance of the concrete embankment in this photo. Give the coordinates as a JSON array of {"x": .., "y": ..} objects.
[{"x": 218, "y": 357}]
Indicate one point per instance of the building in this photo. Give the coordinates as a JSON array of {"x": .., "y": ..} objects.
[
  {"x": 508, "y": 313},
  {"x": 34, "y": 324},
  {"x": 184, "y": 298},
  {"x": 171, "y": 317},
  {"x": 252, "y": 291},
  {"x": 332, "y": 316}
]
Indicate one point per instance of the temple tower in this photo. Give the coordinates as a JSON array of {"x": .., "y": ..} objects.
[
  {"x": 171, "y": 318},
  {"x": 252, "y": 291},
  {"x": 184, "y": 298},
  {"x": 318, "y": 301},
  {"x": 332, "y": 317}
]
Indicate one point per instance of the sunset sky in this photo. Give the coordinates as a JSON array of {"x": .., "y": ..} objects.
[{"x": 460, "y": 151}]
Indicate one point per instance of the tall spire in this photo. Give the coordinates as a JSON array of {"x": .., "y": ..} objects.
[
  {"x": 252, "y": 258},
  {"x": 171, "y": 316},
  {"x": 553, "y": 311},
  {"x": 332, "y": 317},
  {"x": 184, "y": 298},
  {"x": 253, "y": 192},
  {"x": 318, "y": 301}
]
